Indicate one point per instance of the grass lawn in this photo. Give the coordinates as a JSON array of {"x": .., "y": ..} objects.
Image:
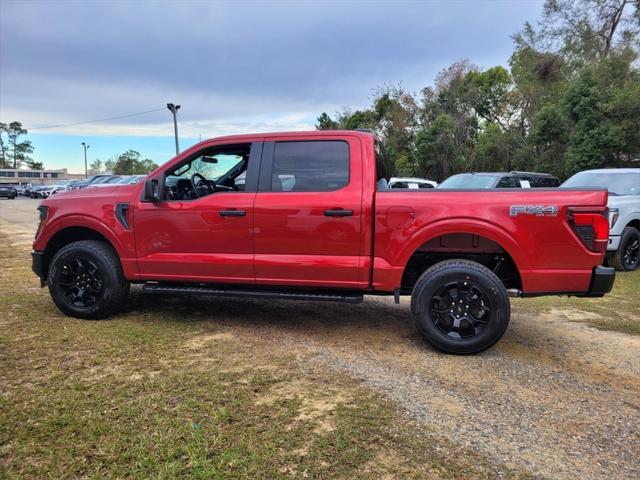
[
  {"x": 143, "y": 395},
  {"x": 618, "y": 310}
]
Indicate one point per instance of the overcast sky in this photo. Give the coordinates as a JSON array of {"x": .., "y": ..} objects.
[{"x": 234, "y": 67}]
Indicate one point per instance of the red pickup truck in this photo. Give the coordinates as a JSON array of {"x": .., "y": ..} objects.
[{"x": 309, "y": 216}]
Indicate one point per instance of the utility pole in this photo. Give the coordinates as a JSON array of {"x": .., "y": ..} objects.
[
  {"x": 85, "y": 146},
  {"x": 174, "y": 109}
]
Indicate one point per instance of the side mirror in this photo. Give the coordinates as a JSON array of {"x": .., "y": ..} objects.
[{"x": 151, "y": 191}]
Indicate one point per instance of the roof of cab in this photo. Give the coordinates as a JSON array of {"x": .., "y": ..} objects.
[{"x": 307, "y": 133}]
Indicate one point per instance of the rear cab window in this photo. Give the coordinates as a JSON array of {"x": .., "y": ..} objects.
[{"x": 310, "y": 166}]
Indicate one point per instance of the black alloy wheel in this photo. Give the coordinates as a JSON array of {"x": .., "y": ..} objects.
[
  {"x": 627, "y": 257},
  {"x": 631, "y": 253},
  {"x": 81, "y": 282},
  {"x": 460, "y": 306},
  {"x": 460, "y": 309},
  {"x": 86, "y": 280}
]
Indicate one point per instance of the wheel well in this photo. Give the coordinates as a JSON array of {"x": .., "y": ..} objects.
[
  {"x": 634, "y": 223},
  {"x": 67, "y": 236},
  {"x": 465, "y": 246}
]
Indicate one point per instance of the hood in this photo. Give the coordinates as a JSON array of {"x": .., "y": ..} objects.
[
  {"x": 86, "y": 192},
  {"x": 622, "y": 200}
]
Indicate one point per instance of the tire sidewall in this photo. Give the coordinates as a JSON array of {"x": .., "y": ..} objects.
[
  {"x": 628, "y": 235},
  {"x": 109, "y": 278},
  {"x": 493, "y": 292}
]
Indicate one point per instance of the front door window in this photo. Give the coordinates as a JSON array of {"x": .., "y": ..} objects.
[{"x": 211, "y": 171}]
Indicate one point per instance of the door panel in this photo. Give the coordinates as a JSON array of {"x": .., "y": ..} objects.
[
  {"x": 206, "y": 239},
  {"x": 301, "y": 238},
  {"x": 190, "y": 240}
]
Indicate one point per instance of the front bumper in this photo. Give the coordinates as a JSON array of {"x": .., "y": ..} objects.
[
  {"x": 601, "y": 282},
  {"x": 37, "y": 265}
]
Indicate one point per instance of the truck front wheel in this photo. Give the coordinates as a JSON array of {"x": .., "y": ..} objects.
[
  {"x": 627, "y": 257},
  {"x": 86, "y": 280},
  {"x": 460, "y": 307}
]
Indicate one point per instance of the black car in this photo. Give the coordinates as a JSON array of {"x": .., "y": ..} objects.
[
  {"x": 8, "y": 191},
  {"x": 501, "y": 180}
]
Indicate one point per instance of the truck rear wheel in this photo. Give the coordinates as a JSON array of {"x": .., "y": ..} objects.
[
  {"x": 627, "y": 257},
  {"x": 86, "y": 280},
  {"x": 460, "y": 307}
]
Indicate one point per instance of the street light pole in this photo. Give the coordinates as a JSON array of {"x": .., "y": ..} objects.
[
  {"x": 174, "y": 110},
  {"x": 85, "y": 146}
]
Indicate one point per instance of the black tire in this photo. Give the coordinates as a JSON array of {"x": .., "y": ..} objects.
[
  {"x": 86, "y": 280},
  {"x": 627, "y": 257},
  {"x": 481, "y": 308}
]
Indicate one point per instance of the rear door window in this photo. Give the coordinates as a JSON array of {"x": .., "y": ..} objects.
[
  {"x": 544, "y": 182},
  {"x": 508, "y": 182},
  {"x": 310, "y": 166}
]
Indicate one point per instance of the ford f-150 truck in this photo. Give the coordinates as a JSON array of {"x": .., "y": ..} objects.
[{"x": 309, "y": 216}]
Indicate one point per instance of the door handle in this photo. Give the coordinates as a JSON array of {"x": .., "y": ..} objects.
[
  {"x": 338, "y": 212},
  {"x": 232, "y": 213}
]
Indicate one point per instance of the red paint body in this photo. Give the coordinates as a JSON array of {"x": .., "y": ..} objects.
[{"x": 285, "y": 239}]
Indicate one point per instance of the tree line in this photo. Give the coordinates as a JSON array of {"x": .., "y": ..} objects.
[
  {"x": 127, "y": 163},
  {"x": 569, "y": 101},
  {"x": 15, "y": 152}
]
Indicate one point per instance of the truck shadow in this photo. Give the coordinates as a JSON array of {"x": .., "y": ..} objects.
[{"x": 375, "y": 315}]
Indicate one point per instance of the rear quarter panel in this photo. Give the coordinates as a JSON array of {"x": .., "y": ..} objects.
[{"x": 548, "y": 254}]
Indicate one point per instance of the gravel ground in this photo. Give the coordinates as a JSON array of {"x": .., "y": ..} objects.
[{"x": 554, "y": 397}]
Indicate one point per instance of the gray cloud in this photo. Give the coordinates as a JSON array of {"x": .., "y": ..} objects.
[{"x": 233, "y": 63}]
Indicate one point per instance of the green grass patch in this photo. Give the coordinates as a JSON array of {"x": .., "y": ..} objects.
[
  {"x": 170, "y": 393},
  {"x": 618, "y": 310}
]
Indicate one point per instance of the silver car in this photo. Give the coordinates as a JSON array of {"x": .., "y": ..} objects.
[{"x": 623, "y": 185}]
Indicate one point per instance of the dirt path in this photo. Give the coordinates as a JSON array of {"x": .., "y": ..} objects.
[
  {"x": 555, "y": 398},
  {"x": 19, "y": 219}
]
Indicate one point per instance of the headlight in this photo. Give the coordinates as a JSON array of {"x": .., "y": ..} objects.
[
  {"x": 614, "y": 213},
  {"x": 44, "y": 211}
]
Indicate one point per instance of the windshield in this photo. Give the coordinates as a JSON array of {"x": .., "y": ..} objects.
[
  {"x": 618, "y": 183},
  {"x": 469, "y": 180}
]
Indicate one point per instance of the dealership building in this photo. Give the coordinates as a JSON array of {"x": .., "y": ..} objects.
[{"x": 36, "y": 177}]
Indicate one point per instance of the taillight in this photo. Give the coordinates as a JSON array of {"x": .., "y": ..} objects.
[{"x": 591, "y": 226}]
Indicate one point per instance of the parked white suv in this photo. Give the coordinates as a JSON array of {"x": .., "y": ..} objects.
[{"x": 623, "y": 184}]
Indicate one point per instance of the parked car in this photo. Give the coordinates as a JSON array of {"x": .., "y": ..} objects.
[
  {"x": 131, "y": 179},
  {"x": 36, "y": 191},
  {"x": 8, "y": 191},
  {"x": 88, "y": 181},
  {"x": 27, "y": 190},
  {"x": 310, "y": 225},
  {"x": 73, "y": 184},
  {"x": 623, "y": 184},
  {"x": 411, "y": 183},
  {"x": 500, "y": 180},
  {"x": 49, "y": 190},
  {"x": 109, "y": 181}
]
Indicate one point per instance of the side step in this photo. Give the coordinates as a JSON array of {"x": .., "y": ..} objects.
[{"x": 322, "y": 296}]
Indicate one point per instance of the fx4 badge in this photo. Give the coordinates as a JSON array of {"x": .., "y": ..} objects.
[{"x": 536, "y": 210}]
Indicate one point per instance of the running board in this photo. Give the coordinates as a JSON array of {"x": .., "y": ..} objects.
[{"x": 346, "y": 297}]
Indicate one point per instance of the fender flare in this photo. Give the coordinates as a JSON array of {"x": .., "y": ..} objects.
[
  {"x": 82, "y": 221},
  {"x": 471, "y": 226}
]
